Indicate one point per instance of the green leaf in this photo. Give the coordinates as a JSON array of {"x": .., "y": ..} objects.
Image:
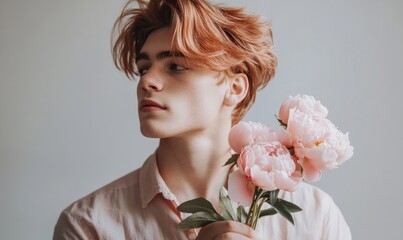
[
  {"x": 232, "y": 159},
  {"x": 281, "y": 122},
  {"x": 227, "y": 210},
  {"x": 199, "y": 219},
  {"x": 271, "y": 196},
  {"x": 291, "y": 207},
  {"x": 267, "y": 212},
  {"x": 196, "y": 205},
  {"x": 280, "y": 208},
  {"x": 241, "y": 214},
  {"x": 274, "y": 195}
]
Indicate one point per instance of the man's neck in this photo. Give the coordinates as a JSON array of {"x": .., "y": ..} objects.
[{"x": 193, "y": 167}]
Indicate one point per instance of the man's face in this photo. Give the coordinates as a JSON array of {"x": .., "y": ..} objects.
[{"x": 176, "y": 100}]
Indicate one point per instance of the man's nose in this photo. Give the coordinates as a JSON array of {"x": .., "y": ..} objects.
[{"x": 152, "y": 80}]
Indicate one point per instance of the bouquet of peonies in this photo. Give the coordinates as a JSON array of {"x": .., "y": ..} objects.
[{"x": 269, "y": 160}]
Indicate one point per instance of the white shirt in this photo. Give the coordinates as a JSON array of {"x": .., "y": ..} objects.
[{"x": 141, "y": 206}]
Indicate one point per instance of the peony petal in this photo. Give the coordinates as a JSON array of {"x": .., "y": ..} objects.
[
  {"x": 284, "y": 137},
  {"x": 283, "y": 181},
  {"x": 322, "y": 159},
  {"x": 299, "y": 150},
  {"x": 306, "y": 104},
  {"x": 240, "y": 136},
  {"x": 240, "y": 190},
  {"x": 309, "y": 173},
  {"x": 346, "y": 155},
  {"x": 285, "y": 110},
  {"x": 262, "y": 179}
]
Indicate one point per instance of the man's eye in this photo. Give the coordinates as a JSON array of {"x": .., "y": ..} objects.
[
  {"x": 177, "y": 67},
  {"x": 142, "y": 71}
]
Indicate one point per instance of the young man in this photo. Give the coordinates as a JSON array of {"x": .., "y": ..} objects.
[{"x": 199, "y": 67}]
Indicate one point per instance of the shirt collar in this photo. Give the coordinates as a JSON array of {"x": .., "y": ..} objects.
[{"x": 151, "y": 182}]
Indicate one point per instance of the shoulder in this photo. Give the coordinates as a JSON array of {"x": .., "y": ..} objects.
[
  {"x": 109, "y": 196},
  {"x": 319, "y": 211},
  {"x": 309, "y": 196},
  {"x": 82, "y": 219}
]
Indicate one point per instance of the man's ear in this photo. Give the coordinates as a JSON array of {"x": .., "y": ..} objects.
[{"x": 237, "y": 89}]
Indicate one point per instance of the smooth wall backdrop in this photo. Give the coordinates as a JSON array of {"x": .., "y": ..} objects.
[{"x": 68, "y": 121}]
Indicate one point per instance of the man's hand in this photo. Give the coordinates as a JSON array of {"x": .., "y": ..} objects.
[{"x": 226, "y": 230}]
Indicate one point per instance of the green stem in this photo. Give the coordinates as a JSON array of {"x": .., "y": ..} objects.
[
  {"x": 254, "y": 211},
  {"x": 257, "y": 212}
]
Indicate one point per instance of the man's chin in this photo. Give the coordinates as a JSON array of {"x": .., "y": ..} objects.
[
  {"x": 152, "y": 132},
  {"x": 149, "y": 134}
]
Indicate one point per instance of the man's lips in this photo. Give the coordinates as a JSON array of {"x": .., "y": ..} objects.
[{"x": 150, "y": 105}]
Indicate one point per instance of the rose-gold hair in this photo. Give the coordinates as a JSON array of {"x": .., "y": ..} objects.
[{"x": 211, "y": 36}]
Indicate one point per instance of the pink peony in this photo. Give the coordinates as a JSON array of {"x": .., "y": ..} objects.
[
  {"x": 267, "y": 165},
  {"x": 318, "y": 144},
  {"x": 240, "y": 189},
  {"x": 247, "y": 133},
  {"x": 306, "y": 104}
]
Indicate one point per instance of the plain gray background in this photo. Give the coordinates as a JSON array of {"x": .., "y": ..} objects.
[{"x": 68, "y": 122}]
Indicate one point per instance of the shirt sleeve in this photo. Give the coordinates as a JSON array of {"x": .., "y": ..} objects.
[
  {"x": 73, "y": 227},
  {"x": 334, "y": 225}
]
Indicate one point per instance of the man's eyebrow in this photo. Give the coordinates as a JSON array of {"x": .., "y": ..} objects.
[
  {"x": 142, "y": 56},
  {"x": 168, "y": 54},
  {"x": 161, "y": 55}
]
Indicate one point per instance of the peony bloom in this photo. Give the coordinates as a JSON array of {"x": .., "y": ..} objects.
[
  {"x": 318, "y": 144},
  {"x": 240, "y": 189},
  {"x": 248, "y": 133},
  {"x": 306, "y": 104},
  {"x": 267, "y": 165}
]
